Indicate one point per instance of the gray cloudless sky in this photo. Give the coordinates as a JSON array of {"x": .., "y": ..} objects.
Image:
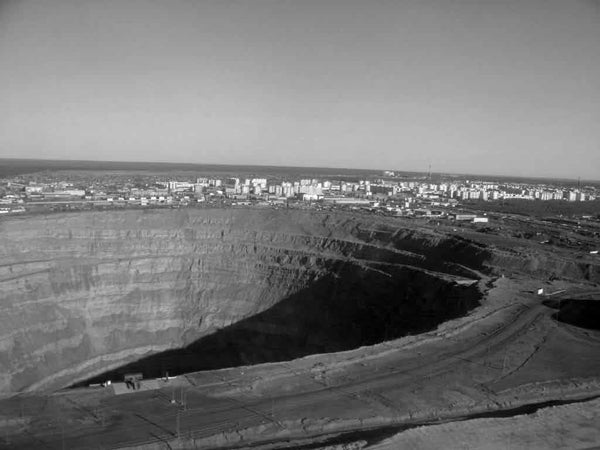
[{"x": 470, "y": 86}]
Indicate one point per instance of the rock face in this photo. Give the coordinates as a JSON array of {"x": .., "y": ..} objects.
[{"x": 84, "y": 293}]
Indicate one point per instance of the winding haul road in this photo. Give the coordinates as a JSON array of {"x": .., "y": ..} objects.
[{"x": 467, "y": 367}]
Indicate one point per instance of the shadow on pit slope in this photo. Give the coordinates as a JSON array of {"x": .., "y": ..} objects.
[
  {"x": 350, "y": 307},
  {"x": 581, "y": 313}
]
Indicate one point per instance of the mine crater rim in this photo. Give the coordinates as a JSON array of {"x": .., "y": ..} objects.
[{"x": 218, "y": 289}]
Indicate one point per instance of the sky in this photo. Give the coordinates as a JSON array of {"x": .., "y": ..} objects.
[{"x": 507, "y": 87}]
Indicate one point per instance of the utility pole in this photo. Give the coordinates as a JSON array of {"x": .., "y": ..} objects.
[{"x": 183, "y": 398}]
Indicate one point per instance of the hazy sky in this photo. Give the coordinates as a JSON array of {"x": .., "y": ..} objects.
[{"x": 476, "y": 86}]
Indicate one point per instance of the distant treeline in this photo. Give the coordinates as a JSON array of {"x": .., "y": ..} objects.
[{"x": 538, "y": 208}]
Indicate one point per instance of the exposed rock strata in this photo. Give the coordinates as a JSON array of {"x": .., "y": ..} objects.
[{"x": 82, "y": 293}]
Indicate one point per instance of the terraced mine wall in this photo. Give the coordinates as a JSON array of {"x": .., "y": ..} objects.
[{"x": 83, "y": 294}]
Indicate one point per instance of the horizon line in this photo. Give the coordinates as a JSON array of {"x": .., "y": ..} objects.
[{"x": 540, "y": 177}]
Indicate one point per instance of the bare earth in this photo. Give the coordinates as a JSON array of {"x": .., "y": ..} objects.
[{"x": 507, "y": 375}]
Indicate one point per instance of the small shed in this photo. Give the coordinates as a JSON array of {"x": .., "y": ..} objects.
[{"x": 133, "y": 380}]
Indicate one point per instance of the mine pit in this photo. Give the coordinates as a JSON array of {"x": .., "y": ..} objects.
[
  {"x": 348, "y": 307},
  {"x": 88, "y": 297},
  {"x": 317, "y": 319},
  {"x": 582, "y": 313}
]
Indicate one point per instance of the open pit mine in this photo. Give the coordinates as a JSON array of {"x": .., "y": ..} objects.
[{"x": 283, "y": 328}]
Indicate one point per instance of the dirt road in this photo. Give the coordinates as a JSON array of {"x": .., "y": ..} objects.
[{"x": 481, "y": 363}]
